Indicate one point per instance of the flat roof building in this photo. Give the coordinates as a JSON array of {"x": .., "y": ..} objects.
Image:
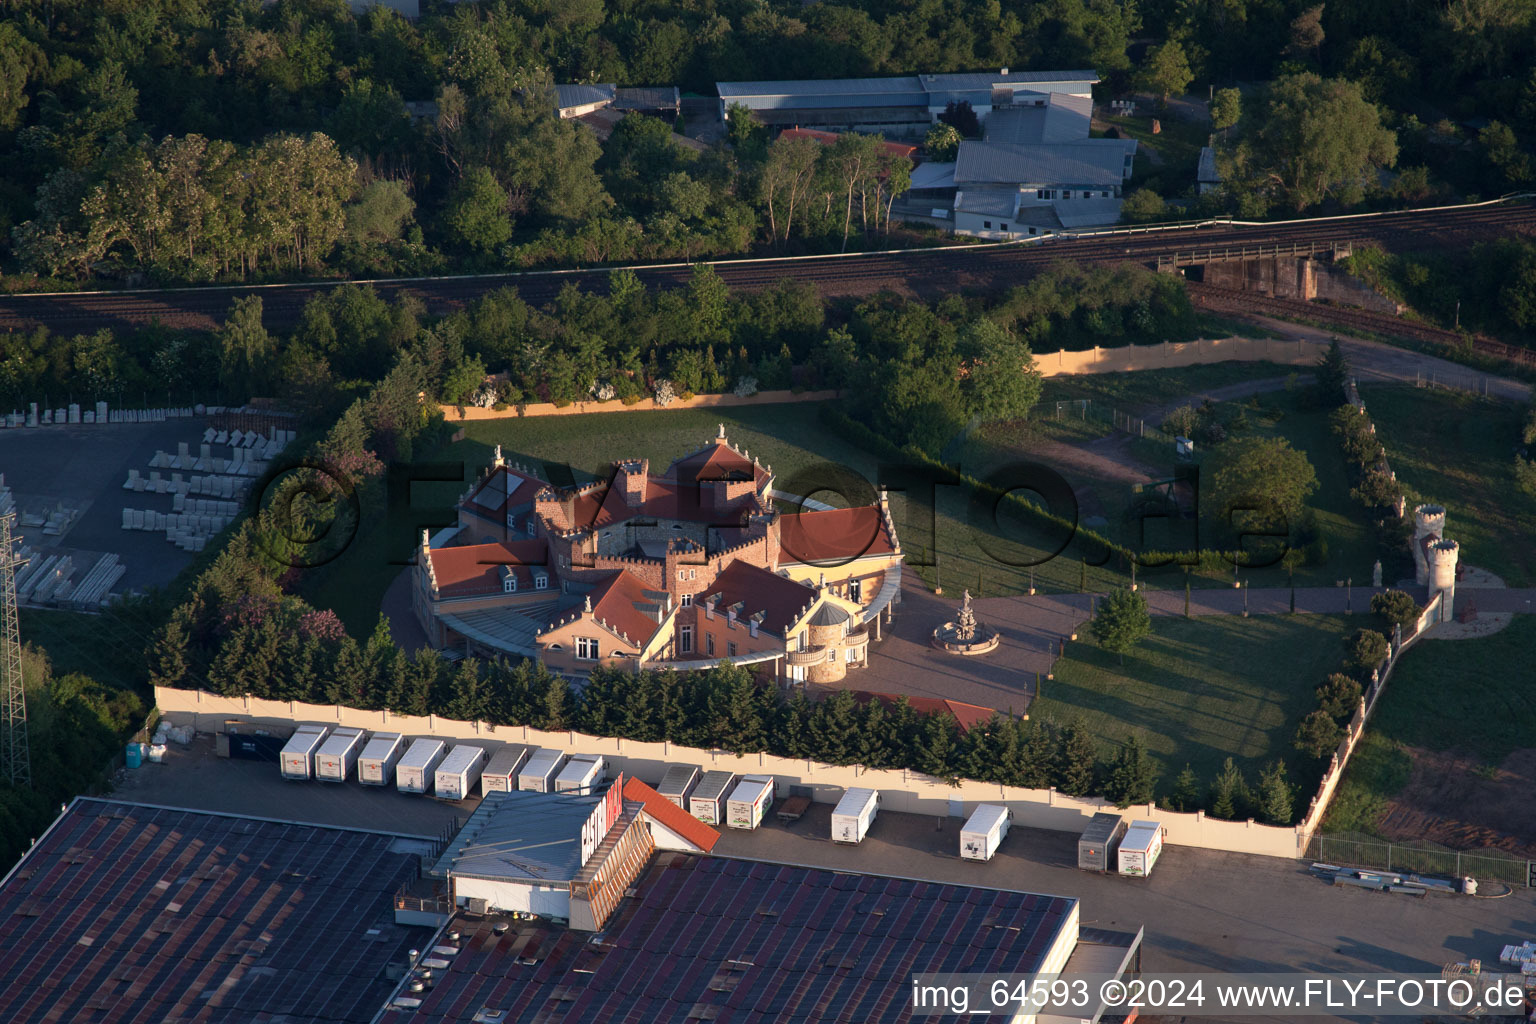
[
  {"x": 126, "y": 913},
  {"x": 715, "y": 939}
]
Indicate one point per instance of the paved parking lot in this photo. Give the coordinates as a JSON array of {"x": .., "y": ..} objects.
[{"x": 1202, "y": 911}]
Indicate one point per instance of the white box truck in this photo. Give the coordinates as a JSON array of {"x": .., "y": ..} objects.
[
  {"x": 298, "y": 757},
  {"x": 413, "y": 773},
  {"x": 708, "y": 800},
  {"x": 853, "y": 813},
  {"x": 538, "y": 772},
  {"x": 338, "y": 755},
  {"x": 983, "y": 831},
  {"x": 1140, "y": 848},
  {"x": 749, "y": 801},
  {"x": 581, "y": 774},
  {"x": 459, "y": 772},
  {"x": 678, "y": 784},
  {"x": 500, "y": 772},
  {"x": 376, "y": 764}
]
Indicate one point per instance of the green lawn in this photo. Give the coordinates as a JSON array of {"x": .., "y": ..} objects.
[
  {"x": 1178, "y": 146},
  {"x": 1458, "y": 450},
  {"x": 1136, "y": 392},
  {"x": 1467, "y": 695},
  {"x": 1201, "y": 690}
]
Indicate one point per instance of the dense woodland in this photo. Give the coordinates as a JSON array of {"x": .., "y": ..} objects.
[{"x": 199, "y": 140}]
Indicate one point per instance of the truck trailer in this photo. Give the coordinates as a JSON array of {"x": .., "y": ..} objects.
[
  {"x": 538, "y": 772},
  {"x": 376, "y": 764},
  {"x": 1097, "y": 845},
  {"x": 678, "y": 783},
  {"x": 1139, "y": 850},
  {"x": 581, "y": 774},
  {"x": 458, "y": 773},
  {"x": 413, "y": 773},
  {"x": 708, "y": 800},
  {"x": 749, "y": 801},
  {"x": 500, "y": 772},
  {"x": 298, "y": 757},
  {"x": 983, "y": 831},
  {"x": 852, "y": 815},
  {"x": 338, "y": 755}
]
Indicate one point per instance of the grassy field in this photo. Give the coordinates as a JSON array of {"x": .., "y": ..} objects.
[
  {"x": 1201, "y": 690},
  {"x": 1177, "y": 145},
  {"x": 1457, "y": 450},
  {"x": 1463, "y": 695},
  {"x": 1137, "y": 392}
]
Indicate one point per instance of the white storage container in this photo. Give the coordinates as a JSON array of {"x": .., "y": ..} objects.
[
  {"x": 538, "y": 774},
  {"x": 376, "y": 764},
  {"x": 338, "y": 755},
  {"x": 500, "y": 772},
  {"x": 708, "y": 800},
  {"x": 983, "y": 831},
  {"x": 459, "y": 772},
  {"x": 581, "y": 774},
  {"x": 853, "y": 814},
  {"x": 678, "y": 784},
  {"x": 1139, "y": 850},
  {"x": 749, "y": 801},
  {"x": 413, "y": 773},
  {"x": 297, "y": 760}
]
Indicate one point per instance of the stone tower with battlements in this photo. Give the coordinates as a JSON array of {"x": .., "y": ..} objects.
[{"x": 1434, "y": 557}]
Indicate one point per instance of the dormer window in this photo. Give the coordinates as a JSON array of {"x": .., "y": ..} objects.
[
  {"x": 508, "y": 579},
  {"x": 540, "y": 581}
]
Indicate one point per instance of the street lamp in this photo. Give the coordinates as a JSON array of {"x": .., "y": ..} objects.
[{"x": 1349, "y": 582}]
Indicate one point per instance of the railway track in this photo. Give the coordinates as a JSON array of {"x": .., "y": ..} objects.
[
  {"x": 1226, "y": 300},
  {"x": 922, "y": 272}
]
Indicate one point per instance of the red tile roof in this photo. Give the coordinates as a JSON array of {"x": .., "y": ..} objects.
[
  {"x": 828, "y": 138},
  {"x": 618, "y": 601},
  {"x": 716, "y": 461},
  {"x": 968, "y": 715},
  {"x": 476, "y": 568},
  {"x": 836, "y": 535},
  {"x": 665, "y": 499},
  {"x": 779, "y": 599},
  {"x": 671, "y": 815}
]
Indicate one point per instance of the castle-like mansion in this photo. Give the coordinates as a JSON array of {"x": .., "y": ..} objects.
[{"x": 680, "y": 569}]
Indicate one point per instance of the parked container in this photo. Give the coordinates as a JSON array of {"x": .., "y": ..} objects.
[
  {"x": 133, "y": 756},
  {"x": 500, "y": 772},
  {"x": 459, "y": 772},
  {"x": 376, "y": 764},
  {"x": 983, "y": 831},
  {"x": 581, "y": 774},
  {"x": 749, "y": 801},
  {"x": 707, "y": 802},
  {"x": 538, "y": 773},
  {"x": 852, "y": 815},
  {"x": 678, "y": 783},
  {"x": 338, "y": 755},
  {"x": 298, "y": 760},
  {"x": 1097, "y": 845},
  {"x": 413, "y": 773},
  {"x": 1139, "y": 850}
]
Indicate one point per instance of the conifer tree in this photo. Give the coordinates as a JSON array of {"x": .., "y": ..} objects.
[
  {"x": 1076, "y": 761},
  {"x": 1227, "y": 791},
  {"x": 1275, "y": 794},
  {"x": 1186, "y": 791},
  {"x": 1132, "y": 775}
]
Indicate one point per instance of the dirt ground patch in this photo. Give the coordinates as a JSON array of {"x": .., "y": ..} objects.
[{"x": 1453, "y": 799}]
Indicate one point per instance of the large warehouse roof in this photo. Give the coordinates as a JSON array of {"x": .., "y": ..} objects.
[
  {"x": 731, "y": 941},
  {"x": 1090, "y": 162},
  {"x": 130, "y": 914}
]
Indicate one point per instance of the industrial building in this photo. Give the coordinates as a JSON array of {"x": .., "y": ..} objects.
[
  {"x": 898, "y": 107},
  {"x": 716, "y": 939},
  {"x": 127, "y": 913}
]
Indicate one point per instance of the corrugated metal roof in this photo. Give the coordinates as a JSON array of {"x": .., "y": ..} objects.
[
  {"x": 933, "y": 175},
  {"x": 647, "y": 98},
  {"x": 125, "y": 913},
  {"x": 1061, "y": 118},
  {"x": 821, "y": 87},
  {"x": 568, "y": 96},
  {"x": 737, "y": 941},
  {"x": 521, "y": 836},
  {"x": 1090, "y": 162},
  {"x": 987, "y": 202},
  {"x": 1087, "y": 213}
]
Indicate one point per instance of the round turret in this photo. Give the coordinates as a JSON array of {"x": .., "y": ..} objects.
[
  {"x": 1429, "y": 519},
  {"x": 1442, "y": 556}
]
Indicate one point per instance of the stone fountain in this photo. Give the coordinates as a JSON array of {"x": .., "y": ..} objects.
[{"x": 966, "y": 636}]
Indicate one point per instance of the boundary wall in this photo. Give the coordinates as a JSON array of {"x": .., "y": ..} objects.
[{"x": 901, "y": 790}]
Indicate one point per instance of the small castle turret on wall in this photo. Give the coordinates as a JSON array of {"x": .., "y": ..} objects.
[{"x": 1434, "y": 557}]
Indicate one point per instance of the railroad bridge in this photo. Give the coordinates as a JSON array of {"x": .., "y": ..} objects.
[{"x": 1295, "y": 270}]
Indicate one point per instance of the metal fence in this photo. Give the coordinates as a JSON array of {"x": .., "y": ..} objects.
[
  {"x": 1088, "y": 410},
  {"x": 1422, "y": 858},
  {"x": 1472, "y": 384}
]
